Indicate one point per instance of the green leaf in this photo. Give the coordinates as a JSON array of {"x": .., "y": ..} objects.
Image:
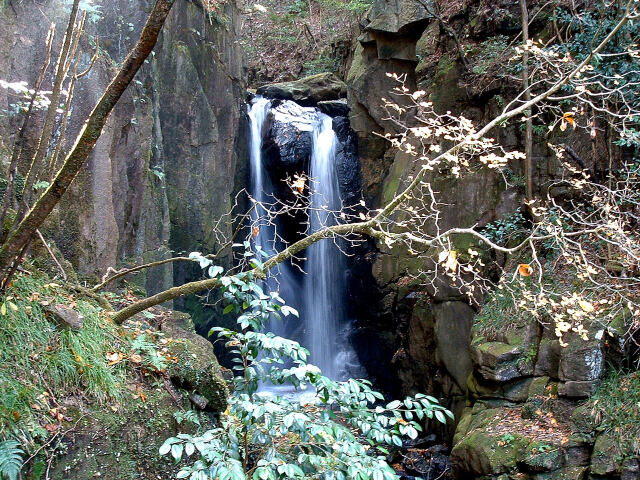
[
  {"x": 176, "y": 451},
  {"x": 228, "y": 308},
  {"x": 166, "y": 446},
  {"x": 393, "y": 405},
  {"x": 440, "y": 416}
]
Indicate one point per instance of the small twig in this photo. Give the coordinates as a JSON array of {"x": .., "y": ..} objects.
[
  {"x": 44, "y": 242},
  {"x": 168, "y": 385},
  {"x": 33, "y": 455}
]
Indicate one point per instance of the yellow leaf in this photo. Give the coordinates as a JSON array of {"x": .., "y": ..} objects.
[
  {"x": 3, "y": 309},
  {"x": 586, "y": 306},
  {"x": 13, "y": 306},
  {"x": 451, "y": 261}
]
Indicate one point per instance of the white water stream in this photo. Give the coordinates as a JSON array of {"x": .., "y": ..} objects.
[{"x": 321, "y": 295}]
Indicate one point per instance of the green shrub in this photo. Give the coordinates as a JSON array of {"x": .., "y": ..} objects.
[{"x": 341, "y": 431}]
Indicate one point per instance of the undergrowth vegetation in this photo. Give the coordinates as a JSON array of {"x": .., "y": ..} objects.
[
  {"x": 336, "y": 430},
  {"x": 52, "y": 375},
  {"x": 286, "y": 39},
  {"x": 39, "y": 357},
  {"x": 615, "y": 407}
]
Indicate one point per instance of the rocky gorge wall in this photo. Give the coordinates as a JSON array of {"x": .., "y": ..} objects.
[
  {"x": 165, "y": 167},
  {"x": 502, "y": 388}
]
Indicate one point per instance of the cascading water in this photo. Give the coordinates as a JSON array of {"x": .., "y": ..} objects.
[
  {"x": 321, "y": 300},
  {"x": 257, "y": 116},
  {"x": 325, "y": 287}
]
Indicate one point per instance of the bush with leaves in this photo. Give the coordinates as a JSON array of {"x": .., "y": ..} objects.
[{"x": 341, "y": 431}]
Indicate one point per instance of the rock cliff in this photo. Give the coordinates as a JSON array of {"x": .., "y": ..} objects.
[
  {"x": 431, "y": 337},
  {"x": 165, "y": 166}
]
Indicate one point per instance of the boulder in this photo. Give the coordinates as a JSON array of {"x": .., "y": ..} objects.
[
  {"x": 334, "y": 108},
  {"x": 289, "y": 139},
  {"x": 576, "y": 389},
  {"x": 65, "y": 317},
  {"x": 307, "y": 91},
  {"x": 482, "y": 453},
  {"x": 581, "y": 361},
  {"x": 538, "y": 387},
  {"x": 604, "y": 459},
  {"x": 549, "y": 353},
  {"x": 541, "y": 457},
  {"x": 197, "y": 369},
  {"x": 630, "y": 469},
  {"x": 404, "y": 17},
  {"x": 509, "y": 356},
  {"x": 497, "y": 361}
]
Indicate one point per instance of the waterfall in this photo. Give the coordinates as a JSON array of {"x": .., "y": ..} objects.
[
  {"x": 257, "y": 116},
  {"x": 321, "y": 294},
  {"x": 324, "y": 286}
]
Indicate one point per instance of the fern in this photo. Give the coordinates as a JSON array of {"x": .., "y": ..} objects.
[{"x": 10, "y": 459}]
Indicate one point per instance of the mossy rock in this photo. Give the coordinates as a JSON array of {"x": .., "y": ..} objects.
[
  {"x": 604, "y": 459},
  {"x": 308, "y": 90},
  {"x": 196, "y": 369},
  {"x": 463, "y": 425},
  {"x": 542, "y": 457},
  {"x": 483, "y": 453},
  {"x": 120, "y": 441},
  {"x": 538, "y": 387}
]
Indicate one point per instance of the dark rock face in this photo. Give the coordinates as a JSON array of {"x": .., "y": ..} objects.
[
  {"x": 165, "y": 165},
  {"x": 334, "y": 108},
  {"x": 347, "y": 162},
  {"x": 289, "y": 137},
  {"x": 307, "y": 91}
]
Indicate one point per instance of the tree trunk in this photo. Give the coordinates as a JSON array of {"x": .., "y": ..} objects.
[{"x": 87, "y": 137}]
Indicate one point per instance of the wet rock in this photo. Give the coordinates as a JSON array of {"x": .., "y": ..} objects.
[
  {"x": 347, "y": 163},
  {"x": 289, "y": 138},
  {"x": 334, "y": 108},
  {"x": 65, "y": 317},
  {"x": 427, "y": 464},
  {"x": 307, "y": 91}
]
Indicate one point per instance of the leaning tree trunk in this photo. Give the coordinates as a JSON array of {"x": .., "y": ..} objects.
[{"x": 86, "y": 139}]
